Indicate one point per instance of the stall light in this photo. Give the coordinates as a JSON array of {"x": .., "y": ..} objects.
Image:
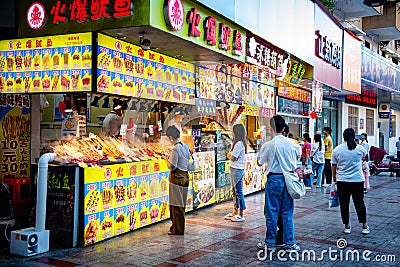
[
  {"x": 106, "y": 103},
  {"x": 186, "y": 111},
  {"x": 95, "y": 102},
  {"x": 142, "y": 106},
  {"x": 155, "y": 108},
  {"x": 124, "y": 105},
  {"x": 164, "y": 109},
  {"x": 67, "y": 101},
  {"x": 150, "y": 106}
]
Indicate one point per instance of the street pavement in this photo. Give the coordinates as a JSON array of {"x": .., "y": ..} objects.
[{"x": 212, "y": 241}]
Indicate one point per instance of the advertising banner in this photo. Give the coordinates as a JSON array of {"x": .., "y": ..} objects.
[
  {"x": 253, "y": 174},
  {"x": 123, "y": 197},
  {"x": 204, "y": 179},
  {"x": 126, "y": 69},
  {"x": 15, "y": 139},
  {"x": 44, "y": 17},
  {"x": 294, "y": 93},
  {"x": 351, "y": 63},
  {"x": 46, "y": 64}
]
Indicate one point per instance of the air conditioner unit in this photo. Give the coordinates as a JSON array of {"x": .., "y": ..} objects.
[{"x": 29, "y": 242}]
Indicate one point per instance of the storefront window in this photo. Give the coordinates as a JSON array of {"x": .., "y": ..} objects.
[
  {"x": 353, "y": 118},
  {"x": 370, "y": 125},
  {"x": 329, "y": 118}
]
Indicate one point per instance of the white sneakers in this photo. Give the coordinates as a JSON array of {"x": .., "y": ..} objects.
[{"x": 234, "y": 218}]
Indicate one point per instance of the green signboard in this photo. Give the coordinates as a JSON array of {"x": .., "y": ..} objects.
[
  {"x": 193, "y": 22},
  {"x": 46, "y": 17}
]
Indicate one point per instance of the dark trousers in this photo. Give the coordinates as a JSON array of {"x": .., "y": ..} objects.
[
  {"x": 279, "y": 233},
  {"x": 356, "y": 190},
  {"x": 178, "y": 188},
  {"x": 398, "y": 154},
  {"x": 327, "y": 172}
]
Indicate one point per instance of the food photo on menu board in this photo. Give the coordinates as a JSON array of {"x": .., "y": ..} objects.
[
  {"x": 204, "y": 179},
  {"x": 46, "y": 64}
]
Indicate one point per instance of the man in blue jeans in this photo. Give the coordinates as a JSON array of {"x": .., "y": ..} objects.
[{"x": 281, "y": 155}]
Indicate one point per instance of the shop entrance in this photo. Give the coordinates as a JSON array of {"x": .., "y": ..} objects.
[{"x": 329, "y": 119}]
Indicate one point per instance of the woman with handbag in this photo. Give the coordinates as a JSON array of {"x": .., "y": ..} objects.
[
  {"x": 306, "y": 160},
  {"x": 318, "y": 160},
  {"x": 178, "y": 163},
  {"x": 347, "y": 172},
  {"x": 236, "y": 156}
]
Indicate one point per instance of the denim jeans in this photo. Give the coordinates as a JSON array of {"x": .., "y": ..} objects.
[
  {"x": 307, "y": 179},
  {"x": 318, "y": 169},
  {"x": 237, "y": 176},
  {"x": 278, "y": 200}
]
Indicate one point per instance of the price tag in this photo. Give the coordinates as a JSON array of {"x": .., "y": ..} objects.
[
  {"x": 159, "y": 126},
  {"x": 134, "y": 130},
  {"x": 151, "y": 130},
  {"x": 122, "y": 130}
]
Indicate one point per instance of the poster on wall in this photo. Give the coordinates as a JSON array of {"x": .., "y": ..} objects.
[
  {"x": 204, "y": 179},
  {"x": 15, "y": 139},
  {"x": 317, "y": 95}
]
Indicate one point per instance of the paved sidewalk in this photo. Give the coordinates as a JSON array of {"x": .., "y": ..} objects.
[{"x": 213, "y": 241}]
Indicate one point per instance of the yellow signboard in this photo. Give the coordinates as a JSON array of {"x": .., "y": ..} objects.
[
  {"x": 47, "y": 64},
  {"x": 126, "y": 69}
]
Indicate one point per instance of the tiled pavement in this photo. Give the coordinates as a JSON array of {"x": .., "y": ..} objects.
[{"x": 211, "y": 240}]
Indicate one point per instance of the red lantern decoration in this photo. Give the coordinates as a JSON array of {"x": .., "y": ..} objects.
[{"x": 313, "y": 115}]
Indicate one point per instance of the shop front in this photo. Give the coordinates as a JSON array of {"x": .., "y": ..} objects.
[{"x": 103, "y": 186}]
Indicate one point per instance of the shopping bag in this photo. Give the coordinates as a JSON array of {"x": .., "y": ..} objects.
[
  {"x": 307, "y": 171},
  {"x": 334, "y": 196}
]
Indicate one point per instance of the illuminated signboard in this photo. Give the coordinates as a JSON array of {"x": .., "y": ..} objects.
[
  {"x": 46, "y": 64},
  {"x": 366, "y": 99},
  {"x": 43, "y": 17},
  {"x": 198, "y": 24},
  {"x": 294, "y": 93},
  {"x": 126, "y": 69}
]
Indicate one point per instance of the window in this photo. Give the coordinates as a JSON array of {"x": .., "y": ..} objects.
[
  {"x": 394, "y": 126},
  {"x": 353, "y": 118},
  {"x": 370, "y": 125},
  {"x": 367, "y": 45}
]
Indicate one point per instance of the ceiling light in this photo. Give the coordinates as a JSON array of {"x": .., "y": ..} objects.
[
  {"x": 145, "y": 44},
  {"x": 106, "y": 103}
]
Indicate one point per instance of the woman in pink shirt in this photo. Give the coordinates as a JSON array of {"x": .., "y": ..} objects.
[{"x": 306, "y": 159}]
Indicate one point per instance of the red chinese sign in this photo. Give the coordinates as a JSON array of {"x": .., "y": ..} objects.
[
  {"x": 79, "y": 11},
  {"x": 206, "y": 27},
  {"x": 294, "y": 93},
  {"x": 366, "y": 98}
]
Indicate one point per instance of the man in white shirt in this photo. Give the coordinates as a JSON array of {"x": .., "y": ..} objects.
[{"x": 281, "y": 155}]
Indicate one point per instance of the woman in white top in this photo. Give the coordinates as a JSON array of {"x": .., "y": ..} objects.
[
  {"x": 318, "y": 159},
  {"x": 347, "y": 171},
  {"x": 236, "y": 156}
]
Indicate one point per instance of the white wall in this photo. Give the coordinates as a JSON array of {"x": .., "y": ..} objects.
[
  {"x": 373, "y": 140},
  {"x": 390, "y": 143}
]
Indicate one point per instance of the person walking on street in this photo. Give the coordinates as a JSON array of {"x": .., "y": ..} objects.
[
  {"x": 398, "y": 148},
  {"x": 281, "y": 156},
  {"x": 347, "y": 172},
  {"x": 306, "y": 159},
  {"x": 364, "y": 143},
  {"x": 328, "y": 155},
  {"x": 236, "y": 156},
  {"x": 178, "y": 163},
  {"x": 317, "y": 158}
]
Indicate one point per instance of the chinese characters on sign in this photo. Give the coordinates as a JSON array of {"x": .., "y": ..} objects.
[
  {"x": 206, "y": 106},
  {"x": 260, "y": 52},
  {"x": 366, "y": 98},
  {"x": 206, "y": 27},
  {"x": 79, "y": 11},
  {"x": 294, "y": 93},
  {"x": 14, "y": 136},
  {"x": 46, "y": 64},
  {"x": 328, "y": 50}
]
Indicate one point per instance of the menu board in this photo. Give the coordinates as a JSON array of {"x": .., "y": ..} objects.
[
  {"x": 253, "y": 174},
  {"x": 126, "y": 69},
  {"x": 223, "y": 187},
  {"x": 47, "y": 64},
  {"x": 220, "y": 84},
  {"x": 204, "y": 179},
  {"x": 123, "y": 197}
]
